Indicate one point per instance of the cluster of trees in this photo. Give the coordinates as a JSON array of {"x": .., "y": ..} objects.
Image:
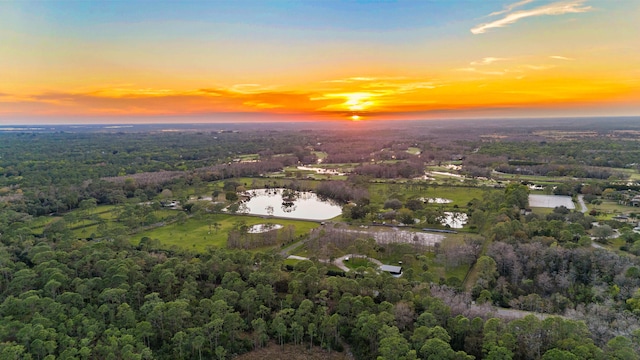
[
  {"x": 64, "y": 298},
  {"x": 598, "y": 152},
  {"x": 342, "y": 191},
  {"x": 109, "y": 300},
  {"x": 560, "y": 170},
  {"x": 404, "y": 169}
]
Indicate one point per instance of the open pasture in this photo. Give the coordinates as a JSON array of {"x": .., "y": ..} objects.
[
  {"x": 202, "y": 232},
  {"x": 460, "y": 196}
]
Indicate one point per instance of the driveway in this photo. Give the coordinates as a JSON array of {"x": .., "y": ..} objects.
[
  {"x": 583, "y": 206},
  {"x": 339, "y": 262}
]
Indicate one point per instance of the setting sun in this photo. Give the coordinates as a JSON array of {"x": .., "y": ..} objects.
[
  {"x": 355, "y": 117},
  {"x": 358, "y": 101}
]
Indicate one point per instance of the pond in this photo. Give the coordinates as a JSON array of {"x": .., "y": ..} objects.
[
  {"x": 551, "y": 201},
  {"x": 290, "y": 204},
  {"x": 262, "y": 228},
  {"x": 436, "y": 200},
  {"x": 455, "y": 220},
  {"x": 321, "y": 171}
]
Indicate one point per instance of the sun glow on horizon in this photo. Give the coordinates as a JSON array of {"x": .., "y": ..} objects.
[{"x": 378, "y": 67}]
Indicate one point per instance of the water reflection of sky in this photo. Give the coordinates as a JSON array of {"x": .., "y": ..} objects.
[
  {"x": 455, "y": 220},
  {"x": 306, "y": 206}
]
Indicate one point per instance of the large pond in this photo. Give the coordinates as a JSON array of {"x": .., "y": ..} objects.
[
  {"x": 455, "y": 220},
  {"x": 289, "y": 204}
]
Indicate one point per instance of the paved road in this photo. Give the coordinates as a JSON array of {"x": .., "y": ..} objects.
[
  {"x": 296, "y": 257},
  {"x": 339, "y": 262},
  {"x": 285, "y": 252},
  {"x": 583, "y": 206}
]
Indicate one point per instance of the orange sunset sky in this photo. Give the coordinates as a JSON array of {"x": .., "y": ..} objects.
[{"x": 199, "y": 61}]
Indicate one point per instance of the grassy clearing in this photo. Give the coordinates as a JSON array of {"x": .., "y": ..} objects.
[
  {"x": 633, "y": 174},
  {"x": 38, "y": 224},
  {"x": 196, "y": 233},
  {"x": 320, "y": 154},
  {"x": 537, "y": 179},
  {"x": 611, "y": 208},
  {"x": 291, "y": 262},
  {"x": 356, "y": 262},
  {"x": 105, "y": 212},
  {"x": 248, "y": 157},
  {"x": 541, "y": 211},
  {"x": 459, "y": 195},
  {"x": 413, "y": 150}
]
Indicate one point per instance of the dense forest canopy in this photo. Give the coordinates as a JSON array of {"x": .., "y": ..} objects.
[{"x": 133, "y": 245}]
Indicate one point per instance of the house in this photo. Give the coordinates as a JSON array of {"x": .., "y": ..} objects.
[
  {"x": 395, "y": 271},
  {"x": 635, "y": 201}
]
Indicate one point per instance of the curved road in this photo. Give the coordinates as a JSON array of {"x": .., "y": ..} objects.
[
  {"x": 339, "y": 262},
  {"x": 583, "y": 206}
]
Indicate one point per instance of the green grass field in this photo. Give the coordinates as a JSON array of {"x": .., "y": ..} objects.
[
  {"x": 320, "y": 154},
  {"x": 611, "y": 208},
  {"x": 460, "y": 196},
  {"x": 195, "y": 233},
  {"x": 356, "y": 262},
  {"x": 248, "y": 157},
  {"x": 633, "y": 174}
]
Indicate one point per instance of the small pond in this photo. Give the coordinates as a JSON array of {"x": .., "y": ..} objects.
[
  {"x": 321, "y": 171},
  {"x": 455, "y": 220},
  {"x": 551, "y": 201},
  {"x": 289, "y": 204},
  {"x": 436, "y": 200},
  {"x": 262, "y": 228}
]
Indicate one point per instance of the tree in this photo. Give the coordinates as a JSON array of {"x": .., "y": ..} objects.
[
  {"x": 516, "y": 195},
  {"x": 557, "y": 354},
  {"x": 259, "y": 332},
  {"x": 280, "y": 328},
  {"x": 166, "y": 194},
  {"x": 406, "y": 217},
  {"x": 436, "y": 349},
  {"x": 394, "y": 204},
  {"x": 621, "y": 348},
  {"x": 221, "y": 353},
  {"x": 231, "y": 196},
  {"x": 393, "y": 345},
  {"x": 311, "y": 331},
  {"x": 87, "y": 206},
  {"x": 499, "y": 353},
  {"x": 602, "y": 232},
  {"x": 487, "y": 272}
]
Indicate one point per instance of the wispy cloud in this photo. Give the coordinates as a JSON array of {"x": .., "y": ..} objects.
[
  {"x": 488, "y": 61},
  {"x": 557, "y": 57},
  {"x": 557, "y": 8},
  {"x": 483, "y": 72},
  {"x": 510, "y": 7},
  {"x": 147, "y": 101}
]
